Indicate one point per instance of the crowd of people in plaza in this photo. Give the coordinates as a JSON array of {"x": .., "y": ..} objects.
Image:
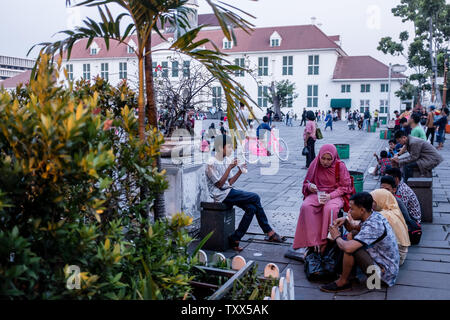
[{"x": 370, "y": 229}]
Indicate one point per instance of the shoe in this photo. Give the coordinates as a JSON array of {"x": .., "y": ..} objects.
[
  {"x": 333, "y": 287},
  {"x": 234, "y": 245},
  {"x": 275, "y": 238}
]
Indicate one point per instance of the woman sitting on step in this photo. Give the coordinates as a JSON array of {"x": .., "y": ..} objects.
[{"x": 326, "y": 184}]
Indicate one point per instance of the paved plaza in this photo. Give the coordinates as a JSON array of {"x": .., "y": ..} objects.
[{"x": 426, "y": 272}]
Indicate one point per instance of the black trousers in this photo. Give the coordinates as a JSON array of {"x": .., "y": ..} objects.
[
  {"x": 310, "y": 144},
  {"x": 303, "y": 120},
  {"x": 431, "y": 131}
]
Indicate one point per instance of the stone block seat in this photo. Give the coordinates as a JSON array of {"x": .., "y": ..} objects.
[{"x": 220, "y": 219}]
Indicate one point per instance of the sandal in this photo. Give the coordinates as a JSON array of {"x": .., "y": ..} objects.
[
  {"x": 275, "y": 238},
  {"x": 235, "y": 245}
]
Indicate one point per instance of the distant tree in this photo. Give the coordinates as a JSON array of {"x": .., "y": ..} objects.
[
  {"x": 280, "y": 93},
  {"x": 425, "y": 52}
]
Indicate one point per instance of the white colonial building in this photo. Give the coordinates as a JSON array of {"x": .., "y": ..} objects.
[{"x": 326, "y": 77}]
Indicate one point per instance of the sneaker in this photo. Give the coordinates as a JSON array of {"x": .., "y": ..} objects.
[{"x": 333, "y": 287}]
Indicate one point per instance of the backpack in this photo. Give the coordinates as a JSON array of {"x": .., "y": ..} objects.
[{"x": 347, "y": 196}]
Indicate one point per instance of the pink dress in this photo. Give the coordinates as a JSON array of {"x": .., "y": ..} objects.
[{"x": 314, "y": 218}]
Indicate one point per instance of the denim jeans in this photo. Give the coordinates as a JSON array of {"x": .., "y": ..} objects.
[
  {"x": 408, "y": 170},
  {"x": 251, "y": 204}
]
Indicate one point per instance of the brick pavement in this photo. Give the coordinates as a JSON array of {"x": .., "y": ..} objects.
[{"x": 426, "y": 272}]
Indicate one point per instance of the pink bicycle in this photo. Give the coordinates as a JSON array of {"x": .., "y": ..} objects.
[{"x": 255, "y": 148}]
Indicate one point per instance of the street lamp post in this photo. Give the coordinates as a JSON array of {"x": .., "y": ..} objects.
[
  {"x": 397, "y": 68},
  {"x": 444, "y": 91}
]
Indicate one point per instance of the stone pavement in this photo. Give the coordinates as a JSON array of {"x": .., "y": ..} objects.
[{"x": 426, "y": 272}]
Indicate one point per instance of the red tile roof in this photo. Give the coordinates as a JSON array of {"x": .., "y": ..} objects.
[
  {"x": 362, "y": 67},
  {"x": 210, "y": 19},
  {"x": 335, "y": 38},
  {"x": 293, "y": 38},
  {"x": 305, "y": 37},
  {"x": 11, "y": 83}
]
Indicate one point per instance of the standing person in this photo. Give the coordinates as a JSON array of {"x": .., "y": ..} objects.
[
  {"x": 373, "y": 245},
  {"x": 287, "y": 118},
  {"x": 328, "y": 121},
  {"x": 375, "y": 115},
  {"x": 406, "y": 114},
  {"x": 328, "y": 175},
  {"x": 405, "y": 127},
  {"x": 291, "y": 116},
  {"x": 222, "y": 128},
  {"x": 303, "y": 117},
  {"x": 367, "y": 117},
  {"x": 441, "y": 125},
  {"x": 317, "y": 115},
  {"x": 211, "y": 135},
  {"x": 397, "y": 121},
  {"x": 244, "y": 112},
  {"x": 309, "y": 138},
  {"x": 422, "y": 155},
  {"x": 270, "y": 116},
  {"x": 385, "y": 203},
  {"x": 430, "y": 125},
  {"x": 221, "y": 179}
]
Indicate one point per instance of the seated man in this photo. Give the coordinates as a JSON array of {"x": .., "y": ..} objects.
[
  {"x": 220, "y": 185},
  {"x": 406, "y": 194},
  {"x": 422, "y": 155},
  {"x": 374, "y": 244},
  {"x": 388, "y": 183}
]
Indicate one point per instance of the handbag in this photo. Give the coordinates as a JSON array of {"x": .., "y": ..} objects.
[
  {"x": 319, "y": 134},
  {"x": 320, "y": 268},
  {"x": 305, "y": 151}
]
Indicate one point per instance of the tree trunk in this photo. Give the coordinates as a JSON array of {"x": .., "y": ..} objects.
[
  {"x": 276, "y": 101},
  {"x": 141, "y": 111},
  {"x": 159, "y": 207}
]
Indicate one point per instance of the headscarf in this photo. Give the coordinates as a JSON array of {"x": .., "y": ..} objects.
[
  {"x": 391, "y": 211},
  {"x": 325, "y": 178}
]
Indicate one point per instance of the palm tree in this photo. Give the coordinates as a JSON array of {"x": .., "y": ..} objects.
[{"x": 152, "y": 16}]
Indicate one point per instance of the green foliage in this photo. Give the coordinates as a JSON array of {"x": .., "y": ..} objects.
[{"x": 72, "y": 165}]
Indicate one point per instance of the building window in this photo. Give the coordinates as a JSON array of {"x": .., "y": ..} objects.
[
  {"x": 186, "y": 69},
  {"x": 122, "y": 70},
  {"x": 263, "y": 66},
  {"x": 288, "y": 66},
  {"x": 383, "y": 106},
  {"x": 175, "y": 69},
  {"x": 345, "y": 88},
  {"x": 275, "y": 43},
  {"x": 93, "y": 51},
  {"x": 227, "y": 44},
  {"x": 364, "y": 106},
  {"x": 69, "y": 69},
  {"x": 263, "y": 91},
  {"x": 217, "y": 97},
  {"x": 241, "y": 63},
  {"x": 104, "y": 71},
  {"x": 165, "y": 69},
  {"x": 130, "y": 49},
  {"x": 313, "y": 96},
  {"x": 313, "y": 65},
  {"x": 365, "y": 88},
  {"x": 384, "y": 87},
  {"x": 86, "y": 71}
]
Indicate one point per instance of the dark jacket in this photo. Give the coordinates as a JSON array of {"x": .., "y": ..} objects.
[{"x": 423, "y": 153}]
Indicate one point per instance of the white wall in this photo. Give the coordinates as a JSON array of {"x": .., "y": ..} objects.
[{"x": 328, "y": 89}]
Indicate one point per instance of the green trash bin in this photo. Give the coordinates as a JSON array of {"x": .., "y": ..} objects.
[
  {"x": 373, "y": 128},
  {"x": 358, "y": 180},
  {"x": 385, "y": 134},
  {"x": 343, "y": 150}
]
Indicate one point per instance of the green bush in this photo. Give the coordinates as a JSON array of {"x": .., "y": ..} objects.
[{"x": 72, "y": 169}]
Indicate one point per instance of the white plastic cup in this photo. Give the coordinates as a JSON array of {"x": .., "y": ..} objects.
[{"x": 321, "y": 195}]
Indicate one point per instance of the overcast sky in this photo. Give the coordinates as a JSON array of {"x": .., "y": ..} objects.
[{"x": 361, "y": 23}]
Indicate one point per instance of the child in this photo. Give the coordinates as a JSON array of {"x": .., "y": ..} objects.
[
  {"x": 220, "y": 184},
  {"x": 394, "y": 148},
  {"x": 383, "y": 163},
  {"x": 204, "y": 147}
]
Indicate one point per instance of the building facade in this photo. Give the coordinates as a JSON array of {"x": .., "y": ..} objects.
[
  {"x": 11, "y": 66},
  {"x": 326, "y": 78}
]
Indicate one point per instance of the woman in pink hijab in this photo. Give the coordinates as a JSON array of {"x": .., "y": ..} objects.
[{"x": 314, "y": 219}]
